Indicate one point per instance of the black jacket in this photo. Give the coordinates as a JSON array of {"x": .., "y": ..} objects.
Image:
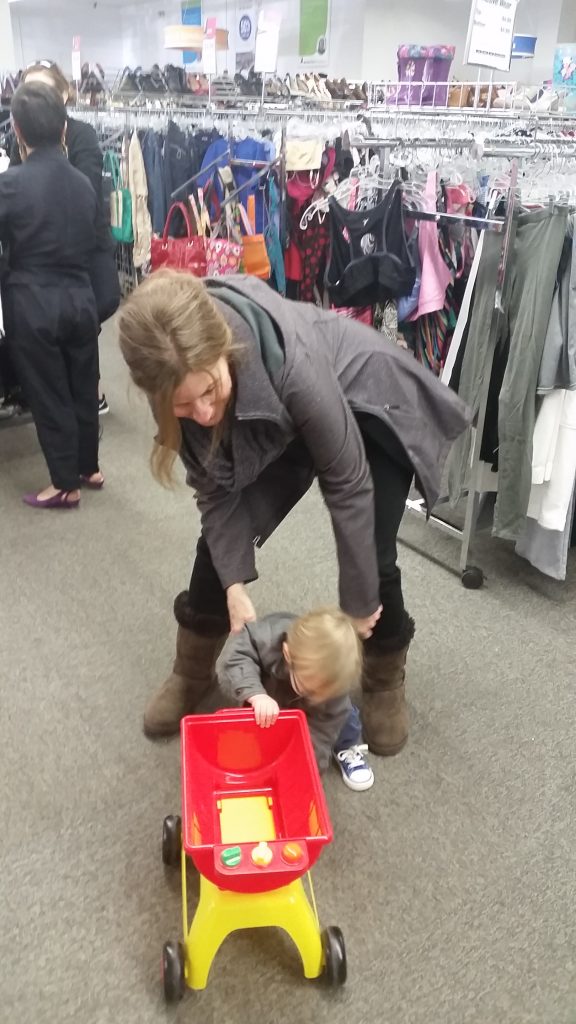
[
  {"x": 85, "y": 155},
  {"x": 48, "y": 215}
]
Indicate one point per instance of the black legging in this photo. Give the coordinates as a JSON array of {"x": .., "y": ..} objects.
[{"x": 392, "y": 477}]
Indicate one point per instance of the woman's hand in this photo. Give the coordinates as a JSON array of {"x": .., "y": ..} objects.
[
  {"x": 266, "y": 709},
  {"x": 240, "y": 607},
  {"x": 365, "y": 627}
]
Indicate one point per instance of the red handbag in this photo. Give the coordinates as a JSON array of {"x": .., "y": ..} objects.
[{"x": 187, "y": 253}]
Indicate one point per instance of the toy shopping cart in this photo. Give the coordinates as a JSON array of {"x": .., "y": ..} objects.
[{"x": 254, "y": 821}]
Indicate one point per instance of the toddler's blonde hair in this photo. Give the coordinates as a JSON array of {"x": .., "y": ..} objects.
[{"x": 324, "y": 645}]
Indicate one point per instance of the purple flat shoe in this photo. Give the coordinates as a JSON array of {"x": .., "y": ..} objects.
[
  {"x": 60, "y": 500},
  {"x": 85, "y": 481}
]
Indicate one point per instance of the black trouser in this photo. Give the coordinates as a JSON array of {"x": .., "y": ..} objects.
[
  {"x": 53, "y": 334},
  {"x": 392, "y": 477}
]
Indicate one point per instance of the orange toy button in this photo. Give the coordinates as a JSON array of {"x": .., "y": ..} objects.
[
  {"x": 292, "y": 853},
  {"x": 262, "y": 855}
]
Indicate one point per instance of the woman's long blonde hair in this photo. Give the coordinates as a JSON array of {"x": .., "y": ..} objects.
[{"x": 170, "y": 327}]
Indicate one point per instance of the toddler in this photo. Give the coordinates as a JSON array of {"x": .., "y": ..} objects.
[{"x": 311, "y": 662}]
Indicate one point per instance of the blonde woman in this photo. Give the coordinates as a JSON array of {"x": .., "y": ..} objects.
[{"x": 259, "y": 396}]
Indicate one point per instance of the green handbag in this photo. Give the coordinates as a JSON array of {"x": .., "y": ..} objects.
[{"x": 120, "y": 201}]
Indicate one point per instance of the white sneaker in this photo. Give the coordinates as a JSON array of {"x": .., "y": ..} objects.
[{"x": 356, "y": 771}]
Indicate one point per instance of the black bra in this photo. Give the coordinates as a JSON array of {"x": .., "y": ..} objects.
[{"x": 369, "y": 256}]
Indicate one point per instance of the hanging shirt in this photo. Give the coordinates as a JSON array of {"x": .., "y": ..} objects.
[{"x": 435, "y": 275}]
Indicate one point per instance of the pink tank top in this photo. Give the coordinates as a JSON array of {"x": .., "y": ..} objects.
[{"x": 435, "y": 274}]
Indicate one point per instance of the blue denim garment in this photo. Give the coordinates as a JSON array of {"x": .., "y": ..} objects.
[{"x": 154, "y": 166}]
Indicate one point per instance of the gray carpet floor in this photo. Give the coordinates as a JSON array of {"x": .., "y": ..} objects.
[{"x": 453, "y": 879}]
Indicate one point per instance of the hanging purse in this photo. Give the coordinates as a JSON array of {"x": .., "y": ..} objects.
[
  {"x": 120, "y": 201},
  {"x": 187, "y": 253},
  {"x": 223, "y": 256},
  {"x": 255, "y": 258}
]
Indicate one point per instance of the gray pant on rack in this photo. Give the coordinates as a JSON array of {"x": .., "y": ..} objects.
[
  {"x": 558, "y": 368},
  {"x": 533, "y": 266}
]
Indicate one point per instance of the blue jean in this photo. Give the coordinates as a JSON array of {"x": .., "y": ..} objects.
[
  {"x": 155, "y": 176},
  {"x": 351, "y": 733}
]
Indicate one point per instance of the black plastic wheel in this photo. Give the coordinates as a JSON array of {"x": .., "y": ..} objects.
[
  {"x": 472, "y": 578},
  {"x": 172, "y": 840},
  {"x": 335, "y": 969},
  {"x": 173, "y": 971}
]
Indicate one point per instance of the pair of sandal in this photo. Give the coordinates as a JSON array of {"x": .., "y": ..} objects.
[
  {"x": 198, "y": 85},
  {"x": 62, "y": 500}
]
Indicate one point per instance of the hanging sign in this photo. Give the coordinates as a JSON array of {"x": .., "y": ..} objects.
[
  {"x": 267, "y": 42},
  {"x": 209, "y": 48},
  {"x": 245, "y": 29},
  {"x": 491, "y": 34}
]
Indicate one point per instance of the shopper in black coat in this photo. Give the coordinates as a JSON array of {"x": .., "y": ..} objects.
[
  {"x": 85, "y": 155},
  {"x": 48, "y": 223}
]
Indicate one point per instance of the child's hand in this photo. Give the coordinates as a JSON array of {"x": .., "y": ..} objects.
[{"x": 266, "y": 709}]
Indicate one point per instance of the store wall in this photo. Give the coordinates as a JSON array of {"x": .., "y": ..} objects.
[
  {"x": 7, "y": 57},
  {"x": 133, "y": 33},
  {"x": 38, "y": 34},
  {"x": 567, "y": 30},
  {"x": 364, "y": 34},
  {"x": 390, "y": 23}
]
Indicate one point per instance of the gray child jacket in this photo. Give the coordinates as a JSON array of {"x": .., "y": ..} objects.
[{"x": 252, "y": 662}]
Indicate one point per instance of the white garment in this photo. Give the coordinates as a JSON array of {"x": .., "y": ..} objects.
[
  {"x": 463, "y": 315},
  {"x": 138, "y": 185},
  {"x": 554, "y": 460},
  {"x": 4, "y": 161},
  {"x": 547, "y": 550}
]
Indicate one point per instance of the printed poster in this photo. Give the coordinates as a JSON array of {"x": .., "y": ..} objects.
[{"x": 314, "y": 31}]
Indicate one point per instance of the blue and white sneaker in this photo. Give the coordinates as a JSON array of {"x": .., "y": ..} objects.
[{"x": 356, "y": 771}]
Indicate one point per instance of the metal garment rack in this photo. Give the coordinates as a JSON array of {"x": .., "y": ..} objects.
[
  {"x": 480, "y": 483},
  {"x": 482, "y": 480}
]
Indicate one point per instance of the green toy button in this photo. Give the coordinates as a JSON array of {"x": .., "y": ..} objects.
[{"x": 231, "y": 857}]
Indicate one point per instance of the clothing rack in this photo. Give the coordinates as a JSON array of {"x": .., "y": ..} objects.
[
  {"x": 449, "y": 134},
  {"x": 483, "y": 481}
]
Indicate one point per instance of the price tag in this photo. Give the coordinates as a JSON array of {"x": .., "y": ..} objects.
[
  {"x": 209, "y": 48},
  {"x": 491, "y": 33},
  {"x": 76, "y": 65}
]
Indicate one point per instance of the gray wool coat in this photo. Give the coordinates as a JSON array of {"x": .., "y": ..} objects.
[
  {"x": 293, "y": 420},
  {"x": 252, "y": 662}
]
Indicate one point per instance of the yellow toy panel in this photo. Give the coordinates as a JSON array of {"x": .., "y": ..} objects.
[{"x": 246, "y": 819}]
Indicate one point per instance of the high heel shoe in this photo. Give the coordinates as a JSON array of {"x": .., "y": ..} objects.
[{"x": 92, "y": 485}]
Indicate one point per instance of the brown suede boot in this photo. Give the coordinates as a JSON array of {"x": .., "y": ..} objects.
[
  {"x": 384, "y": 711},
  {"x": 198, "y": 642}
]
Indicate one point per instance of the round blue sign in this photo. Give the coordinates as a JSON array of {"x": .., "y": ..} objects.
[{"x": 245, "y": 29}]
